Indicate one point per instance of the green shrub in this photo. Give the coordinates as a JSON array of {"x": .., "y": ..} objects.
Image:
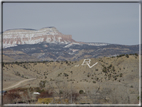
[
  {"x": 18, "y": 74},
  {"x": 131, "y": 86},
  {"x": 136, "y": 54},
  {"x": 104, "y": 70},
  {"x": 59, "y": 74},
  {"x": 127, "y": 55},
  {"x": 60, "y": 92},
  {"x": 94, "y": 81},
  {"x": 113, "y": 69},
  {"x": 110, "y": 66},
  {"x": 88, "y": 75},
  {"x": 81, "y": 91},
  {"x": 65, "y": 74},
  {"x": 121, "y": 75}
]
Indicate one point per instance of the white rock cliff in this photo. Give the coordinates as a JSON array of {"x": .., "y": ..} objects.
[{"x": 27, "y": 36}]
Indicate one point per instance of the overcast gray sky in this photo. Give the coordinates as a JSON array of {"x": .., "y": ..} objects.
[{"x": 88, "y": 22}]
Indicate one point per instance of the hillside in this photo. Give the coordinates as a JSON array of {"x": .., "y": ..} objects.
[
  {"x": 114, "y": 80},
  {"x": 61, "y": 52}
]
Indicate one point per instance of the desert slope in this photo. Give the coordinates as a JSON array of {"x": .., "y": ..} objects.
[{"x": 113, "y": 78}]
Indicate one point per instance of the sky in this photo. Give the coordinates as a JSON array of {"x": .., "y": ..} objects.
[{"x": 116, "y": 23}]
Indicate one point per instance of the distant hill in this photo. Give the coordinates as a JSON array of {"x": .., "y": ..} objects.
[{"x": 73, "y": 51}]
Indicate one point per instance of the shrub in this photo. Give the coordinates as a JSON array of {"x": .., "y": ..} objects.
[
  {"x": 88, "y": 75},
  {"x": 136, "y": 54},
  {"x": 81, "y": 91},
  {"x": 59, "y": 74},
  {"x": 94, "y": 81},
  {"x": 60, "y": 92},
  {"x": 104, "y": 70},
  {"x": 113, "y": 68},
  {"x": 42, "y": 84},
  {"x": 45, "y": 77},
  {"x": 127, "y": 55},
  {"x": 131, "y": 86},
  {"x": 17, "y": 73},
  {"x": 121, "y": 75},
  {"x": 65, "y": 74},
  {"x": 110, "y": 66}
]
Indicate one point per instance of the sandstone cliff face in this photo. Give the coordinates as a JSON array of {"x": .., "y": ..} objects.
[{"x": 26, "y": 36}]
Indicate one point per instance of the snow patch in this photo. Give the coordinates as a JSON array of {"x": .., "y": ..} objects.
[
  {"x": 71, "y": 44},
  {"x": 98, "y": 44}
]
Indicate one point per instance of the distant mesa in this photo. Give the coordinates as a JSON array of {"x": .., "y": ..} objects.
[{"x": 13, "y": 37}]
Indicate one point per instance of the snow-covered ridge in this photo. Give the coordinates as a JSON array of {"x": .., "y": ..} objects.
[
  {"x": 98, "y": 44},
  {"x": 31, "y": 33},
  {"x": 22, "y": 36}
]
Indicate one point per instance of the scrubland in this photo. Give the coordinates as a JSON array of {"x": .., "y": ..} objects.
[{"x": 114, "y": 80}]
